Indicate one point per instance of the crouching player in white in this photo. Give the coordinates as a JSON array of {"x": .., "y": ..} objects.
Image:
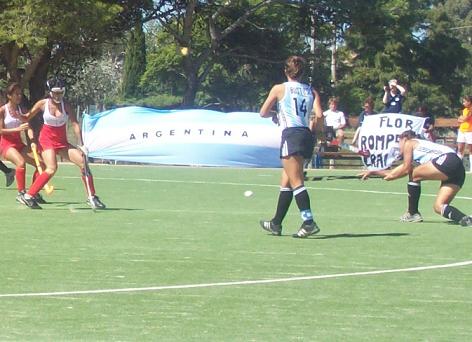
[
  {"x": 296, "y": 102},
  {"x": 436, "y": 162}
]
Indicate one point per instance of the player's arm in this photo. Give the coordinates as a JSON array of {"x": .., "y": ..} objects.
[
  {"x": 274, "y": 95},
  {"x": 406, "y": 167},
  {"x": 366, "y": 174},
  {"x": 317, "y": 109},
  {"x": 38, "y": 107}
]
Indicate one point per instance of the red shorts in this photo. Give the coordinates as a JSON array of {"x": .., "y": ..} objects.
[
  {"x": 51, "y": 137},
  {"x": 11, "y": 140}
]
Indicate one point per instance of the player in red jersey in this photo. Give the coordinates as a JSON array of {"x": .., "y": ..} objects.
[
  {"x": 53, "y": 141},
  {"x": 12, "y": 147},
  {"x": 9, "y": 173}
]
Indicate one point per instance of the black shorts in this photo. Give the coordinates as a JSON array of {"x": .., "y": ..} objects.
[
  {"x": 296, "y": 141},
  {"x": 452, "y": 166}
]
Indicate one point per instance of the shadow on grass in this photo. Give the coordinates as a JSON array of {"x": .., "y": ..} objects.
[
  {"x": 345, "y": 235},
  {"x": 71, "y": 206},
  {"x": 108, "y": 209},
  {"x": 349, "y": 235}
]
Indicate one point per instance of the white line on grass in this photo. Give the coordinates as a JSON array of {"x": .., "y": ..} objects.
[
  {"x": 258, "y": 185},
  {"x": 235, "y": 283}
]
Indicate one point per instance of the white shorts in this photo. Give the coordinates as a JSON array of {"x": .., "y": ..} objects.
[{"x": 464, "y": 137}]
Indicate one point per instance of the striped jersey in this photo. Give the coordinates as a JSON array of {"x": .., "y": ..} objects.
[
  {"x": 427, "y": 150},
  {"x": 295, "y": 108}
]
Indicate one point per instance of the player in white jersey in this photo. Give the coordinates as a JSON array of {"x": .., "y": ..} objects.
[
  {"x": 9, "y": 173},
  {"x": 12, "y": 147},
  {"x": 53, "y": 141},
  {"x": 436, "y": 162},
  {"x": 296, "y": 101}
]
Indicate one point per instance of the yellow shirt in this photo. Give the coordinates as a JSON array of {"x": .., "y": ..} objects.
[{"x": 466, "y": 126}]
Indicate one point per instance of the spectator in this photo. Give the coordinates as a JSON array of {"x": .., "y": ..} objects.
[
  {"x": 464, "y": 134},
  {"x": 394, "y": 95},
  {"x": 428, "y": 127},
  {"x": 335, "y": 120},
  {"x": 368, "y": 110}
]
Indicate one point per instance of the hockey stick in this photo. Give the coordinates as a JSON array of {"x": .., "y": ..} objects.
[
  {"x": 47, "y": 188},
  {"x": 87, "y": 171},
  {"x": 340, "y": 177}
]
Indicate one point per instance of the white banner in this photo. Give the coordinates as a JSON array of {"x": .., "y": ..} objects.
[
  {"x": 379, "y": 134},
  {"x": 182, "y": 137}
]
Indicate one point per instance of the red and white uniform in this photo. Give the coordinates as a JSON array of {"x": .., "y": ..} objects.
[
  {"x": 53, "y": 134},
  {"x": 12, "y": 139}
]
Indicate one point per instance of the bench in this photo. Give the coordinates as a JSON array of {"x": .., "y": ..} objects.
[
  {"x": 443, "y": 127},
  {"x": 332, "y": 153}
]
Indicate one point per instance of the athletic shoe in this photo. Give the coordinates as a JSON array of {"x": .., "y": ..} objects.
[
  {"x": 274, "y": 229},
  {"x": 407, "y": 217},
  {"x": 10, "y": 177},
  {"x": 306, "y": 230},
  {"x": 39, "y": 199},
  {"x": 29, "y": 202},
  {"x": 19, "y": 197},
  {"x": 466, "y": 221},
  {"x": 95, "y": 203}
]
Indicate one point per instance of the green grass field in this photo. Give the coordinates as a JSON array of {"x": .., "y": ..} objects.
[{"x": 183, "y": 249}]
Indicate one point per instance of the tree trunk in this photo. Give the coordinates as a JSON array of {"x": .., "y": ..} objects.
[
  {"x": 37, "y": 83},
  {"x": 191, "y": 88}
]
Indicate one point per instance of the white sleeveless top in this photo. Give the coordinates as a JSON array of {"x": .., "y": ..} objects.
[
  {"x": 427, "y": 150},
  {"x": 11, "y": 121},
  {"x": 296, "y": 106},
  {"x": 55, "y": 121}
]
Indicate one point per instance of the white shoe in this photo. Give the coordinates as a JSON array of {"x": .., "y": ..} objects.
[{"x": 407, "y": 217}]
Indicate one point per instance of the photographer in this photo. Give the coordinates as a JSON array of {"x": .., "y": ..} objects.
[{"x": 394, "y": 94}]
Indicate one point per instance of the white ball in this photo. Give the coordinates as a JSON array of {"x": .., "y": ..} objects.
[{"x": 248, "y": 193}]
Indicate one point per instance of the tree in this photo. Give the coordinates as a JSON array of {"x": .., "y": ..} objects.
[
  {"x": 405, "y": 40},
  {"x": 39, "y": 37},
  {"x": 135, "y": 62},
  {"x": 182, "y": 18}
]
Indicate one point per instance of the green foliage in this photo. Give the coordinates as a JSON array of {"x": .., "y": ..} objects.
[
  {"x": 411, "y": 41},
  {"x": 99, "y": 78},
  {"x": 236, "y": 54},
  {"x": 154, "y": 101},
  {"x": 163, "y": 72},
  {"x": 41, "y": 37},
  {"x": 135, "y": 62}
]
